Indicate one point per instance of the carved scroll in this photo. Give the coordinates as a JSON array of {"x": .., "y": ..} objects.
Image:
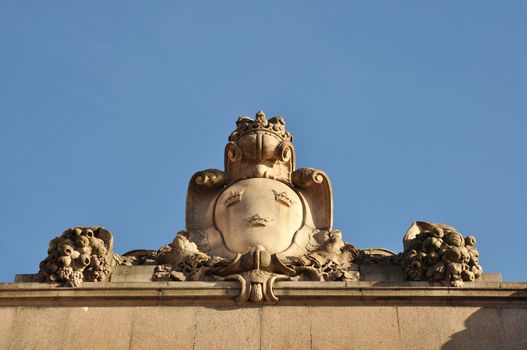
[
  {"x": 203, "y": 190},
  {"x": 315, "y": 186}
]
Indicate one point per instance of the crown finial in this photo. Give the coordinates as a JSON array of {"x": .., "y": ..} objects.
[
  {"x": 246, "y": 125},
  {"x": 260, "y": 119}
]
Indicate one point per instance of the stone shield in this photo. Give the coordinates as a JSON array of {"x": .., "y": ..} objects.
[{"x": 258, "y": 212}]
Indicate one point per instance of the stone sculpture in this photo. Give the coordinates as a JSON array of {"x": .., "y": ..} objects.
[
  {"x": 258, "y": 221},
  {"x": 438, "y": 253},
  {"x": 80, "y": 254}
]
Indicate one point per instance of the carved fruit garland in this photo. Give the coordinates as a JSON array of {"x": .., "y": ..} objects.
[
  {"x": 80, "y": 254},
  {"x": 438, "y": 253}
]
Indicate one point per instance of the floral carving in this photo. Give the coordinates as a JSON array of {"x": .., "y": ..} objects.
[
  {"x": 80, "y": 254},
  {"x": 438, "y": 253}
]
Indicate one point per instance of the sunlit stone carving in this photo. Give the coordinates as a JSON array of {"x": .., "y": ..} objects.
[
  {"x": 260, "y": 200},
  {"x": 261, "y": 220},
  {"x": 438, "y": 253},
  {"x": 80, "y": 254}
]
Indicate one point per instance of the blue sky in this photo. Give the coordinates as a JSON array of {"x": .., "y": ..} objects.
[{"x": 417, "y": 110}]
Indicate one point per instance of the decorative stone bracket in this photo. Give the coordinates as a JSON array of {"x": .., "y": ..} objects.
[
  {"x": 256, "y": 286},
  {"x": 257, "y": 270}
]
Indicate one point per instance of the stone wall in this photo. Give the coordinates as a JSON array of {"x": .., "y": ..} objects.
[{"x": 309, "y": 315}]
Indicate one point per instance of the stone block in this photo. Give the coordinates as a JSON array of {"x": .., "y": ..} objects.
[
  {"x": 163, "y": 328},
  {"x": 515, "y": 327},
  {"x": 39, "y": 328},
  {"x": 379, "y": 272},
  {"x": 132, "y": 273},
  {"x": 286, "y": 327},
  {"x": 99, "y": 328},
  {"x": 349, "y": 327},
  {"x": 450, "y": 328},
  {"x": 7, "y": 324},
  {"x": 228, "y": 328},
  {"x": 26, "y": 278},
  {"x": 490, "y": 277}
]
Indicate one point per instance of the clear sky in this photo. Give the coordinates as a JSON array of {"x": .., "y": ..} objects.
[{"x": 417, "y": 110}]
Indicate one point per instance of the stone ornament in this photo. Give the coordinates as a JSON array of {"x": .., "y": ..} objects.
[
  {"x": 182, "y": 261},
  {"x": 80, "y": 254},
  {"x": 260, "y": 199},
  {"x": 258, "y": 221},
  {"x": 258, "y": 218},
  {"x": 333, "y": 260},
  {"x": 438, "y": 253}
]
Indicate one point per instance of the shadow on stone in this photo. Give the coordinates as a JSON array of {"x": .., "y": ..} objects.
[{"x": 502, "y": 328}]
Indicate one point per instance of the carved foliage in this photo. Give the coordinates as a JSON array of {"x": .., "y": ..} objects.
[
  {"x": 182, "y": 261},
  {"x": 438, "y": 253},
  {"x": 80, "y": 254},
  {"x": 332, "y": 261},
  {"x": 257, "y": 270}
]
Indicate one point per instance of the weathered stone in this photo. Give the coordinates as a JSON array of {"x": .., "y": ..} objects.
[
  {"x": 438, "y": 253},
  {"x": 80, "y": 254},
  {"x": 257, "y": 222},
  {"x": 354, "y": 328},
  {"x": 257, "y": 231},
  {"x": 232, "y": 328},
  {"x": 99, "y": 328},
  {"x": 260, "y": 220},
  {"x": 318, "y": 315},
  {"x": 164, "y": 328},
  {"x": 137, "y": 273},
  {"x": 450, "y": 328},
  {"x": 287, "y": 327},
  {"x": 514, "y": 327},
  {"x": 376, "y": 272},
  {"x": 7, "y": 325},
  {"x": 40, "y": 328}
]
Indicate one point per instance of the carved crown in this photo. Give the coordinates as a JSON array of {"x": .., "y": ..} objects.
[
  {"x": 260, "y": 147},
  {"x": 233, "y": 198},
  {"x": 275, "y": 125}
]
